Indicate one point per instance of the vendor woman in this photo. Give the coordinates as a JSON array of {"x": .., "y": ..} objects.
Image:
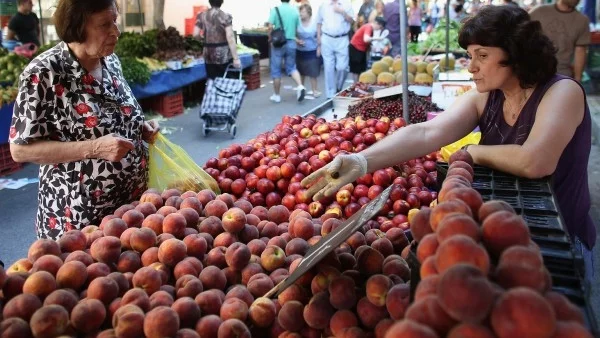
[{"x": 534, "y": 123}]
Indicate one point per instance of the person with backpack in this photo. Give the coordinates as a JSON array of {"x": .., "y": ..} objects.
[{"x": 283, "y": 25}]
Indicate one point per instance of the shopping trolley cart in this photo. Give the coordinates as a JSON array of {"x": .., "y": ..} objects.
[{"x": 221, "y": 103}]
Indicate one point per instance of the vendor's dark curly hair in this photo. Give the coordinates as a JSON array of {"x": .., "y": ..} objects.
[{"x": 531, "y": 54}]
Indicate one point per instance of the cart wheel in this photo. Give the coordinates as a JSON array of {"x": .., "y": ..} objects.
[
  {"x": 233, "y": 130},
  {"x": 204, "y": 129}
]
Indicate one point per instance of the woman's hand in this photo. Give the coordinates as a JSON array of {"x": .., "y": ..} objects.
[
  {"x": 111, "y": 147},
  {"x": 300, "y": 42},
  {"x": 328, "y": 180},
  {"x": 319, "y": 51},
  {"x": 237, "y": 63},
  {"x": 151, "y": 128}
]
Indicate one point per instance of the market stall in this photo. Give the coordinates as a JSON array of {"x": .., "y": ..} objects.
[{"x": 257, "y": 39}]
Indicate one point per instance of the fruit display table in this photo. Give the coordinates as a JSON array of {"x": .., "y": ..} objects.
[{"x": 169, "y": 80}]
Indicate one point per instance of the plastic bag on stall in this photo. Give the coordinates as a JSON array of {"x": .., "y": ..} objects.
[
  {"x": 472, "y": 138},
  {"x": 171, "y": 167}
]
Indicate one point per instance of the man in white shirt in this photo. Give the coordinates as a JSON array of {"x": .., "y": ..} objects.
[{"x": 334, "y": 20}]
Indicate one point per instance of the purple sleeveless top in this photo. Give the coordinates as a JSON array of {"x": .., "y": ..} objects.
[{"x": 570, "y": 180}]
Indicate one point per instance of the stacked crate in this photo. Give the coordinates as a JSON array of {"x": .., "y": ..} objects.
[
  {"x": 252, "y": 74},
  {"x": 8, "y": 8},
  {"x": 169, "y": 104}
]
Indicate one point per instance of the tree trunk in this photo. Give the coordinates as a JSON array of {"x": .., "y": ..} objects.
[{"x": 159, "y": 8}]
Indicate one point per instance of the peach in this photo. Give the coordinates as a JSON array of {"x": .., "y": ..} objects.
[
  {"x": 398, "y": 239},
  {"x": 161, "y": 298},
  {"x": 80, "y": 256},
  {"x": 21, "y": 265},
  {"x": 428, "y": 267},
  {"x": 244, "y": 205},
  {"x": 384, "y": 246},
  {"x": 48, "y": 263},
  {"x": 461, "y": 155},
  {"x": 356, "y": 240},
  {"x": 163, "y": 270},
  {"x": 215, "y": 208},
  {"x": 171, "y": 252},
  {"x": 213, "y": 278},
  {"x": 153, "y": 198},
  {"x": 462, "y": 164},
  {"x": 186, "y": 267},
  {"x": 42, "y": 247},
  {"x": 342, "y": 294},
  {"x": 233, "y": 328},
  {"x": 187, "y": 310},
  {"x": 427, "y": 287},
  {"x": 248, "y": 233},
  {"x": 428, "y": 246},
  {"x": 522, "y": 266},
  {"x": 419, "y": 225},
  {"x": 88, "y": 315},
  {"x": 188, "y": 286},
  {"x": 227, "y": 198},
  {"x": 212, "y": 225},
  {"x": 133, "y": 218},
  {"x": 571, "y": 330},
  {"x": 163, "y": 237},
  {"x": 369, "y": 261},
  {"x": 250, "y": 270},
  {"x": 398, "y": 300},
  {"x": 40, "y": 284},
  {"x": 154, "y": 222},
  {"x": 118, "y": 213},
  {"x": 129, "y": 261},
  {"x": 458, "y": 223},
  {"x": 457, "y": 171},
  {"x": 175, "y": 224},
  {"x": 115, "y": 227},
  {"x": 234, "y": 220},
  {"x": 516, "y": 310},
  {"x": 398, "y": 267},
  {"x": 341, "y": 320},
  {"x": 302, "y": 228},
  {"x": 21, "y": 306},
  {"x": 503, "y": 229},
  {"x": 277, "y": 241},
  {"x": 104, "y": 289},
  {"x": 91, "y": 233},
  {"x": 410, "y": 329},
  {"x": 96, "y": 270},
  {"x": 225, "y": 239},
  {"x": 293, "y": 292},
  {"x": 272, "y": 258},
  {"x": 142, "y": 239},
  {"x": 240, "y": 292},
  {"x": 382, "y": 327},
  {"x": 318, "y": 312},
  {"x": 216, "y": 257},
  {"x": 149, "y": 256},
  {"x": 451, "y": 183},
  {"x": 328, "y": 225},
  {"x": 445, "y": 208},
  {"x": 148, "y": 279},
  {"x": 208, "y": 326},
  {"x": 146, "y": 208},
  {"x": 429, "y": 312},
  {"x": 261, "y": 212},
  {"x": 106, "y": 249},
  {"x": 465, "y": 293},
  {"x": 13, "y": 285},
  {"x": 128, "y": 321},
  {"x": 49, "y": 321},
  {"x": 260, "y": 284},
  {"x": 461, "y": 249},
  {"x": 72, "y": 241},
  {"x": 291, "y": 317},
  {"x": 15, "y": 328},
  {"x": 564, "y": 309},
  {"x": 209, "y": 301},
  {"x": 234, "y": 308},
  {"x": 278, "y": 214},
  {"x": 137, "y": 297},
  {"x": 191, "y": 203},
  {"x": 63, "y": 297},
  {"x": 370, "y": 314},
  {"x": 262, "y": 312},
  {"x": 169, "y": 193},
  {"x": 491, "y": 207},
  {"x": 122, "y": 281},
  {"x": 347, "y": 260},
  {"x": 72, "y": 275},
  {"x": 470, "y": 196},
  {"x": 470, "y": 330},
  {"x": 160, "y": 322},
  {"x": 377, "y": 289}
]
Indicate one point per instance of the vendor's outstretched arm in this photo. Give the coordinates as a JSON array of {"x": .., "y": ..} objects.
[{"x": 559, "y": 114}]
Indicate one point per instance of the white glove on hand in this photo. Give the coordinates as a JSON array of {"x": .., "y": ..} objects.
[{"x": 328, "y": 180}]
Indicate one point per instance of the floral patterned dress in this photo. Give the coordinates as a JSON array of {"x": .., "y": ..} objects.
[{"x": 59, "y": 100}]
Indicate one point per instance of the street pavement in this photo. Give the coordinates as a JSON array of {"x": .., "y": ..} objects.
[{"x": 258, "y": 114}]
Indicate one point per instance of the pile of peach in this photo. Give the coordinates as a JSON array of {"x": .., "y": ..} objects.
[
  {"x": 482, "y": 276},
  {"x": 198, "y": 265}
]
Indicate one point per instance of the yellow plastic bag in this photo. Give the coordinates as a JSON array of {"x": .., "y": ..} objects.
[
  {"x": 171, "y": 167},
  {"x": 472, "y": 138}
]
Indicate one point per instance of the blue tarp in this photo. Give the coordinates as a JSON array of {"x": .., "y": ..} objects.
[{"x": 169, "y": 80}]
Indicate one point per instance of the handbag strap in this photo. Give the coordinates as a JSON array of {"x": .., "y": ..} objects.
[{"x": 280, "y": 21}]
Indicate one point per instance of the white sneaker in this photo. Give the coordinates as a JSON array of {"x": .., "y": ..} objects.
[
  {"x": 310, "y": 92},
  {"x": 300, "y": 93},
  {"x": 275, "y": 98}
]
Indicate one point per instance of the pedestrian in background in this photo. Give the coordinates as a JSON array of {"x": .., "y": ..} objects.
[
  {"x": 213, "y": 27},
  {"x": 569, "y": 30},
  {"x": 285, "y": 16},
  {"x": 334, "y": 20},
  {"x": 379, "y": 6},
  {"x": 308, "y": 54},
  {"x": 391, "y": 14},
  {"x": 415, "y": 16},
  {"x": 360, "y": 43},
  {"x": 25, "y": 25},
  {"x": 364, "y": 13}
]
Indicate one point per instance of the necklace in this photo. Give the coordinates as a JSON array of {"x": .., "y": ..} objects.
[{"x": 515, "y": 112}]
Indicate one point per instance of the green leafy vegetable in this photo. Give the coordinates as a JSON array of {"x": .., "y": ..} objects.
[
  {"x": 134, "y": 71},
  {"x": 437, "y": 38}
]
